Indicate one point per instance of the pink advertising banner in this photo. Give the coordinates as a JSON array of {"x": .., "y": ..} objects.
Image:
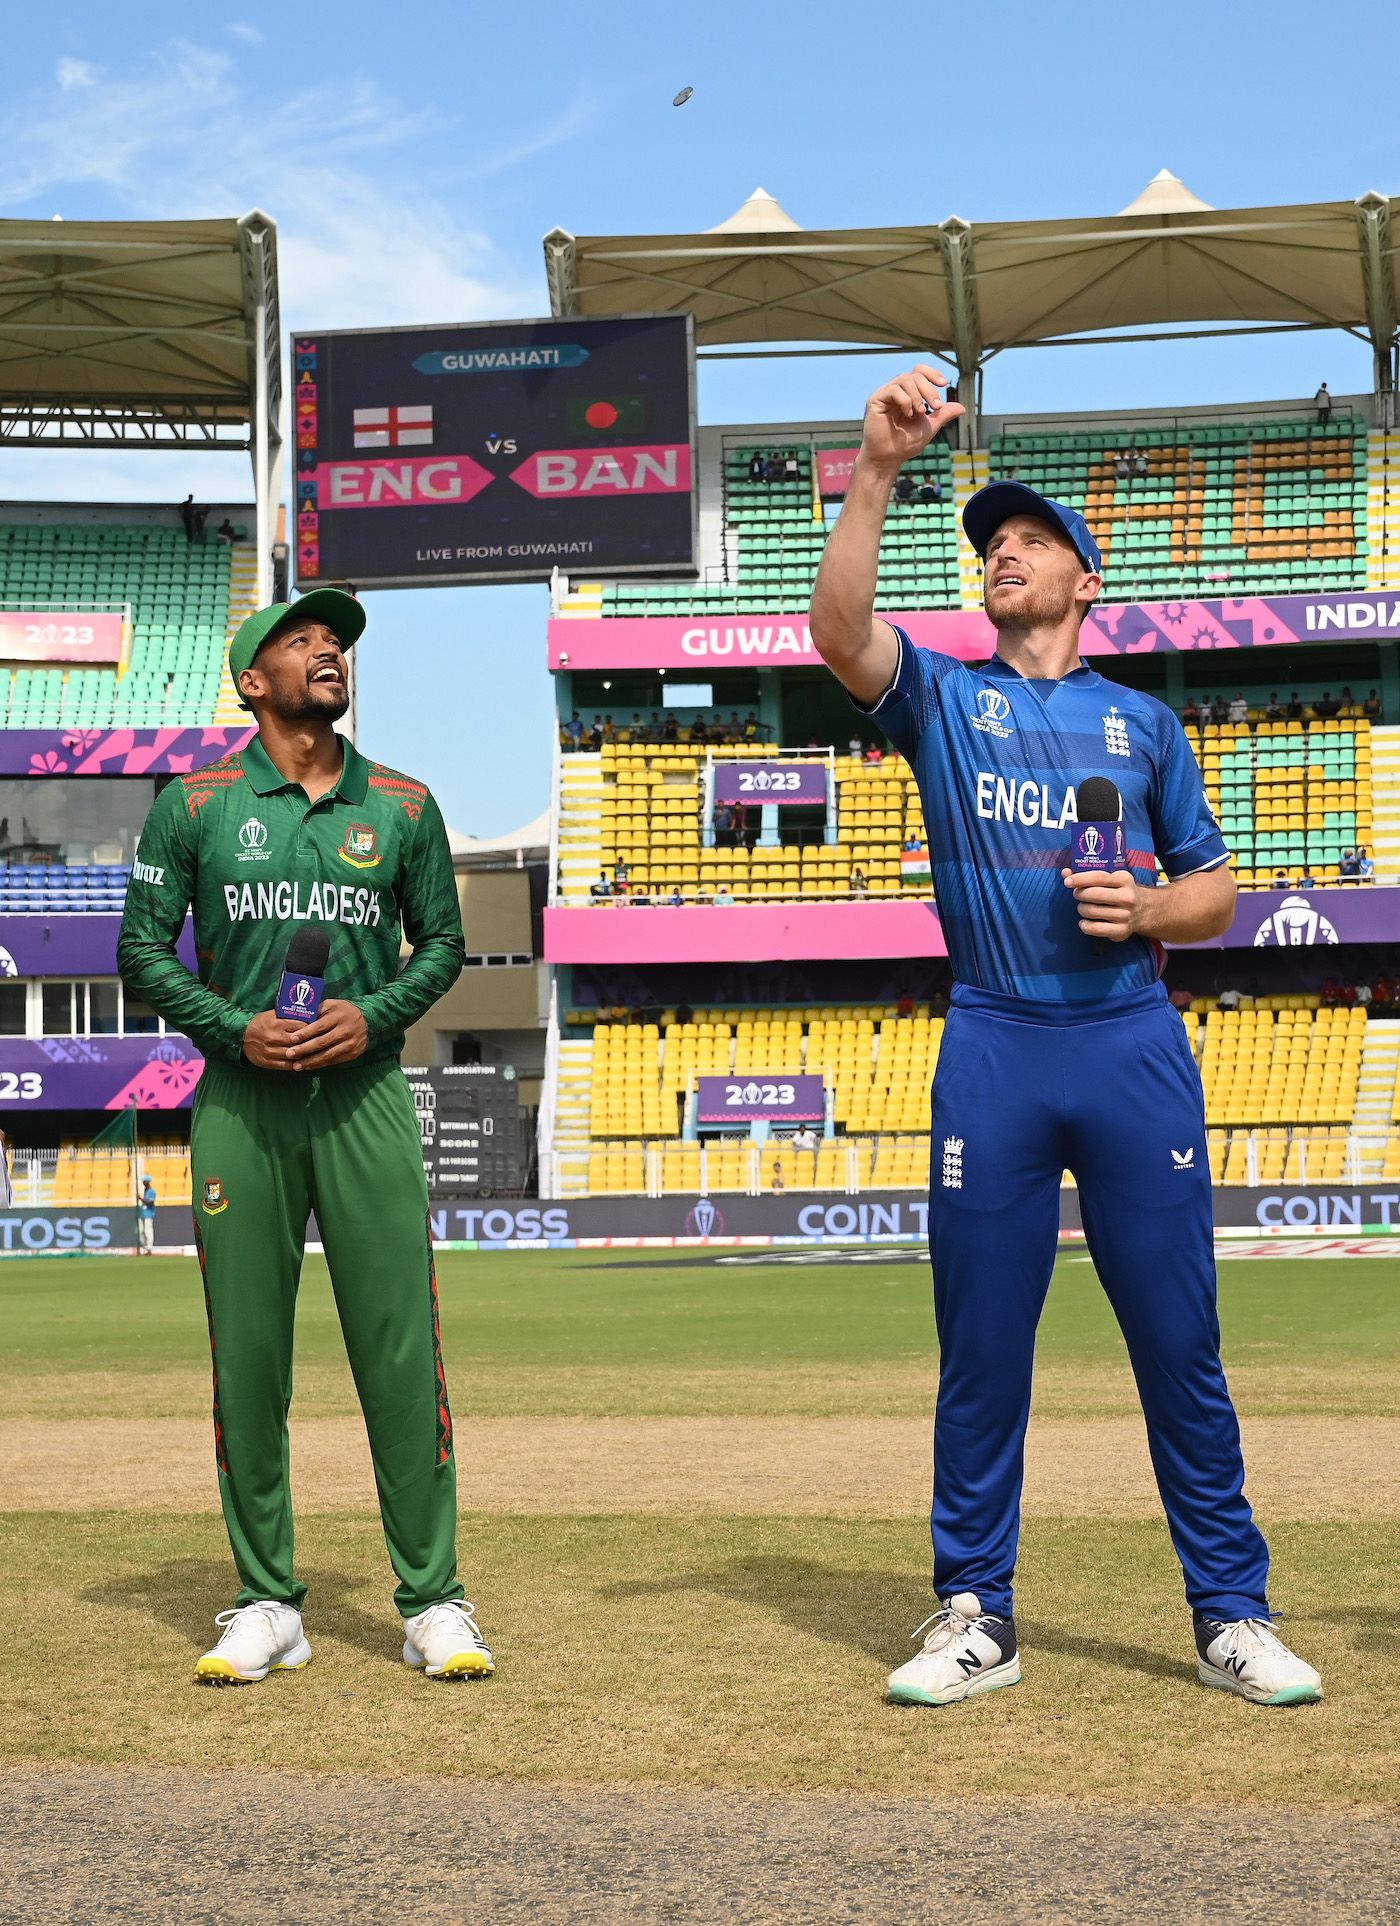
[
  {"x": 834, "y": 467},
  {"x": 1126, "y": 628},
  {"x": 753, "y": 933},
  {"x": 60, "y": 635}
]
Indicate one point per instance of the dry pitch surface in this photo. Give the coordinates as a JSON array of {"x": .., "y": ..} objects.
[{"x": 692, "y": 1498}]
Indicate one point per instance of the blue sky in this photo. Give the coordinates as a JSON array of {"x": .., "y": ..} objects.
[{"x": 414, "y": 156}]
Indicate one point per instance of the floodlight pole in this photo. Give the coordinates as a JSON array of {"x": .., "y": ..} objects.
[{"x": 260, "y": 269}]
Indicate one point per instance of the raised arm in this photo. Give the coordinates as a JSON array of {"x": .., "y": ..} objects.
[{"x": 901, "y": 419}]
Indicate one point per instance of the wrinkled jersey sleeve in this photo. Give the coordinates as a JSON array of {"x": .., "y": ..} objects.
[
  {"x": 432, "y": 924},
  {"x": 1185, "y": 834},
  {"x": 907, "y": 707},
  {"x": 161, "y": 889}
]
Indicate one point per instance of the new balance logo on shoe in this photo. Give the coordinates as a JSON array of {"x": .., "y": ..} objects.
[
  {"x": 1235, "y": 1665},
  {"x": 1185, "y": 1159},
  {"x": 968, "y": 1662}
]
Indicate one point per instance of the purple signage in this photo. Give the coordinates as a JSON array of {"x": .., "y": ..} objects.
[
  {"x": 1096, "y": 846},
  {"x": 69, "y": 943},
  {"x": 1314, "y": 919},
  {"x": 116, "y": 752},
  {"x": 771, "y": 782},
  {"x": 98, "y": 1073},
  {"x": 752, "y": 1098}
]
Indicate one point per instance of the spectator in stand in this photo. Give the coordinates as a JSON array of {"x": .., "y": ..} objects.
[
  {"x": 1191, "y": 715},
  {"x": 621, "y": 895},
  {"x": 804, "y": 1138},
  {"x": 904, "y": 488},
  {"x": 905, "y": 1006},
  {"x": 573, "y": 729},
  {"x": 1280, "y": 879},
  {"x": 226, "y": 532},
  {"x": 856, "y": 746},
  {"x": 685, "y": 1013},
  {"x": 859, "y": 885},
  {"x": 911, "y": 845},
  {"x": 1371, "y": 707},
  {"x": 638, "y": 897},
  {"x": 1326, "y": 706},
  {"x": 636, "y": 728},
  {"x": 1349, "y": 866},
  {"x": 791, "y": 470},
  {"x": 1239, "y": 708},
  {"x": 1180, "y": 999},
  {"x": 1331, "y": 993},
  {"x": 602, "y": 889},
  {"x": 1122, "y": 465},
  {"x": 702, "y": 901},
  {"x": 1365, "y": 995},
  {"x": 1273, "y": 708},
  {"x": 758, "y": 468},
  {"x": 1348, "y": 700},
  {"x": 1229, "y": 999},
  {"x": 609, "y": 730},
  {"x": 1295, "y": 707},
  {"x": 189, "y": 515},
  {"x": 778, "y": 1186},
  {"x": 723, "y": 898},
  {"x": 724, "y": 823},
  {"x": 1306, "y": 881},
  {"x": 734, "y": 728},
  {"x": 1219, "y": 710},
  {"x": 1383, "y": 994},
  {"x": 1365, "y": 868},
  {"x": 1139, "y": 463},
  {"x": 929, "y": 490},
  {"x": 595, "y": 732},
  {"x": 1322, "y": 401},
  {"x": 874, "y": 754},
  {"x": 751, "y": 727},
  {"x": 675, "y": 899}
]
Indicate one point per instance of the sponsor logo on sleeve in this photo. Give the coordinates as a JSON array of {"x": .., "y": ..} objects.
[{"x": 148, "y": 873}]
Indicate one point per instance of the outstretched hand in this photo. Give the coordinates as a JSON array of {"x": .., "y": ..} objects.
[{"x": 902, "y": 418}]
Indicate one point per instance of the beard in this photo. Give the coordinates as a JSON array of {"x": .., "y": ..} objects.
[
  {"x": 1038, "y": 605},
  {"x": 313, "y": 702}
]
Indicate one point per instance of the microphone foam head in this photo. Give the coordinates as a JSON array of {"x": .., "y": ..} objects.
[
  {"x": 308, "y": 951},
  {"x": 1097, "y": 800}
]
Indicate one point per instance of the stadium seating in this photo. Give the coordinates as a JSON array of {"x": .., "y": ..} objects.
[
  {"x": 1288, "y": 795},
  {"x": 179, "y": 593},
  {"x": 83, "y": 1175},
  {"x": 644, "y": 810},
  {"x": 46, "y": 888},
  {"x": 1209, "y": 509},
  {"x": 1280, "y": 1077},
  {"x": 774, "y": 535}
]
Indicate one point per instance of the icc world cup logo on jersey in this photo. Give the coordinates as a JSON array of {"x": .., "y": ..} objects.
[
  {"x": 359, "y": 847},
  {"x": 992, "y": 710}
]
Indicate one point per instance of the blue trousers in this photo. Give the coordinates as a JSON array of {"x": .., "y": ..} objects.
[{"x": 1109, "y": 1091}]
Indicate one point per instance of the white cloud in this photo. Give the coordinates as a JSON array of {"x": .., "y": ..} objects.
[
  {"x": 75, "y": 73},
  {"x": 245, "y": 30}
]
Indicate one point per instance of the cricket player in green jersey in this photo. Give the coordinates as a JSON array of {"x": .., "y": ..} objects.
[{"x": 290, "y": 1117}]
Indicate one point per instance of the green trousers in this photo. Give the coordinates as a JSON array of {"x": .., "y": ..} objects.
[{"x": 267, "y": 1148}]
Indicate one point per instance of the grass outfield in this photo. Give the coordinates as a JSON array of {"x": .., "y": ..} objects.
[{"x": 727, "y": 1616}]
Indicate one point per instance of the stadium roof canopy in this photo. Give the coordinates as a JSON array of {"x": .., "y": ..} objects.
[
  {"x": 143, "y": 334},
  {"x": 968, "y": 290}
]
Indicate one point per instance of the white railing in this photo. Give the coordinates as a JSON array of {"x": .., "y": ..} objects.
[
  {"x": 549, "y": 1100},
  {"x": 556, "y": 785}
]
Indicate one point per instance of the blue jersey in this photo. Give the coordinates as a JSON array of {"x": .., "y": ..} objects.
[{"x": 998, "y": 758}]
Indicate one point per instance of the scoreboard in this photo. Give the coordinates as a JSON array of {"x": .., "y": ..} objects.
[
  {"x": 498, "y": 451},
  {"x": 470, "y": 1123}
]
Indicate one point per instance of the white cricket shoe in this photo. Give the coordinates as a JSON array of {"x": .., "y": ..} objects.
[
  {"x": 1246, "y": 1655},
  {"x": 967, "y": 1651},
  {"x": 258, "y": 1639},
  {"x": 445, "y": 1642}
]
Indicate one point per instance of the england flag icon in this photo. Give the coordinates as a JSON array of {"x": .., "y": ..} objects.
[{"x": 394, "y": 427}]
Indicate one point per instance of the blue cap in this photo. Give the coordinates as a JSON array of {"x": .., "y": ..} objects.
[{"x": 984, "y": 513}]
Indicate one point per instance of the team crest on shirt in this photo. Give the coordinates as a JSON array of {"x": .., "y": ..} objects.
[
  {"x": 1115, "y": 734},
  {"x": 214, "y": 1199},
  {"x": 359, "y": 849},
  {"x": 991, "y": 713}
]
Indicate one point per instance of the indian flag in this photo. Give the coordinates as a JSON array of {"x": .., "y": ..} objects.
[{"x": 913, "y": 866}]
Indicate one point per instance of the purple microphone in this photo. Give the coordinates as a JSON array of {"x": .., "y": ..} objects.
[
  {"x": 1096, "y": 840},
  {"x": 303, "y": 980}
]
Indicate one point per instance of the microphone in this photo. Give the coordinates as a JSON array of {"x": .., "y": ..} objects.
[
  {"x": 1096, "y": 841},
  {"x": 303, "y": 980}
]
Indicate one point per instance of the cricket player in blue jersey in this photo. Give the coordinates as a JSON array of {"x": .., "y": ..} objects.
[{"x": 1060, "y": 1052}]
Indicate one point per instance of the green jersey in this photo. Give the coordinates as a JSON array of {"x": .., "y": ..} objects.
[{"x": 244, "y": 846}]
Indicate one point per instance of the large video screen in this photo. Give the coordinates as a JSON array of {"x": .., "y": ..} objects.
[{"x": 498, "y": 451}]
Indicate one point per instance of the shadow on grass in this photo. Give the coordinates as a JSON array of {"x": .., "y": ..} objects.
[
  {"x": 872, "y": 1612},
  {"x": 185, "y": 1593}
]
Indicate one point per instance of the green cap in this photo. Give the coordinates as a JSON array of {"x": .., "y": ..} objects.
[{"x": 341, "y": 613}]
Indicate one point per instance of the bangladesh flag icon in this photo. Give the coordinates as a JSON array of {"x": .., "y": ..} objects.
[{"x": 607, "y": 414}]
